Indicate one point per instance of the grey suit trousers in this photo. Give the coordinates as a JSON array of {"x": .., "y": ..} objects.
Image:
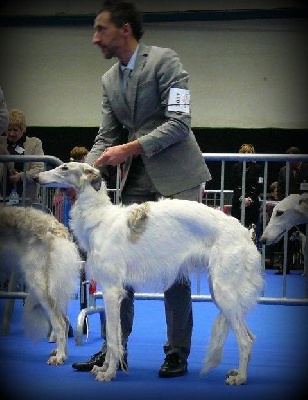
[{"x": 177, "y": 299}]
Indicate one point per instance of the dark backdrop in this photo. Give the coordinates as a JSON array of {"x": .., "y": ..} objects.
[{"x": 58, "y": 141}]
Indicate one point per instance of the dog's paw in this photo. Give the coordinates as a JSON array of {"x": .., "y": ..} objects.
[
  {"x": 232, "y": 372},
  {"x": 235, "y": 378},
  {"x": 106, "y": 376},
  {"x": 56, "y": 360},
  {"x": 53, "y": 352},
  {"x": 96, "y": 369}
]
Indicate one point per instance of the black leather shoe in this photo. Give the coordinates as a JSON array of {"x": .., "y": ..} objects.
[
  {"x": 97, "y": 359},
  {"x": 173, "y": 366}
]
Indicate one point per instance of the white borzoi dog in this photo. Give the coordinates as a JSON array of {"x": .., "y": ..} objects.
[
  {"x": 289, "y": 212},
  {"x": 39, "y": 248},
  {"x": 157, "y": 243}
]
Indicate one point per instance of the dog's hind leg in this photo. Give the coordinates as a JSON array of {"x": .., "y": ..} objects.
[
  {"x": 230, "y": 317},
  {"x": 245, "y": 340},
  {"x": 214, "y": 354},
  {"x": 59, "y": 355},
  {"x": 60, "y": 324},
  {"x": 41, "y": 311},
  {"x": 112, "y": 298}
]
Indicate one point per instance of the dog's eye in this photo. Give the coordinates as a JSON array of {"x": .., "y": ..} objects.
[
  {"x": 64, "y": 167},
  {"x": 279, "y": 213}
]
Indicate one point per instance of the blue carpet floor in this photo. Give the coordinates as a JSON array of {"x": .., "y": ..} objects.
[{"x": 277, "y": 370}]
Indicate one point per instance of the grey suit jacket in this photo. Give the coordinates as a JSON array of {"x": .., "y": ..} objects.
[{"x": 172, "y": 157}]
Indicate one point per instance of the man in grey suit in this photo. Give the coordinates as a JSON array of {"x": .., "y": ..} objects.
[{"x": 146, "y": 93}]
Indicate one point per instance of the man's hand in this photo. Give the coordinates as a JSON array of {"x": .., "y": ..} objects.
[{"x": 116, "y": 155}]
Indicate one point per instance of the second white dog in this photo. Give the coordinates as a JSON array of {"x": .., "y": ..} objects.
[
  {"x": 39, "y": 248},
  {"x": 157, "y": 243},
  {"x": 289, "y": 212}
]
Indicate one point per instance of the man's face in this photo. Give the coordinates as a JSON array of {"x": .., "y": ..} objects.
[{"x": 107, "y": 36}]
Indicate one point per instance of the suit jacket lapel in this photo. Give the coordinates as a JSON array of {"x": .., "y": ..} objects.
[{"x": 139, "y": 65}]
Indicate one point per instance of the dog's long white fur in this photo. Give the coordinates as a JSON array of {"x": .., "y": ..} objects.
[
  {"x": 289, "y": 212},
  {"x": 40, "y": 249},
  {"x": 156, "y": 243}
]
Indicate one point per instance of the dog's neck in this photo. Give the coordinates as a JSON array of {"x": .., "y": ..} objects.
[{"x": 88, "y": 197}]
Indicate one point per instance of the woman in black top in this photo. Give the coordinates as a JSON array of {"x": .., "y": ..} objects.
[{"x": 253, "y": 187}]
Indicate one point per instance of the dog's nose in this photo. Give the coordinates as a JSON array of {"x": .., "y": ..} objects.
[{"x": 263, "y": 240}]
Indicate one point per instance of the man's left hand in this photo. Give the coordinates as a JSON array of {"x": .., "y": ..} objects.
[{"x": 116, "y": 155}]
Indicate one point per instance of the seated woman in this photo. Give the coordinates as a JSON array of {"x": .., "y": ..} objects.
[{"x": 15, "y": 142}]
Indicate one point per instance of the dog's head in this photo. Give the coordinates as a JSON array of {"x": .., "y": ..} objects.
[
  {"x": 72, "y": 174},
  {"x": 289, "y": 212}
]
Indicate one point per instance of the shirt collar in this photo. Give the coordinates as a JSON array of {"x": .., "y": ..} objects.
[{"x": 132, "y": 61}]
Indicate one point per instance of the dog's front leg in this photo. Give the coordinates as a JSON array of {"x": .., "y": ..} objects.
[{"x": 112, "y": 299}]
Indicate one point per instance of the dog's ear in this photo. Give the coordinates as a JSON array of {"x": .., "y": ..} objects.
[{"x": 93, "y": 176}]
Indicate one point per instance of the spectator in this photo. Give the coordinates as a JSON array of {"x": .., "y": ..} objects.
[
  {"x": 275, "y": 194},
  {"x": 4, "y": 121},
  {"x": 298, "y": 175},
  {"x": 253, "y": 187},
  {"x": 15, "y": 142},
  {"x": 4, "y": 115},
  {"x": 78, "y": 153}
]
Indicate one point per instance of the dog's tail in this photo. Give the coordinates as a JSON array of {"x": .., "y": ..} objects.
[
  {"x": 35, "y": 319},
  {"x": 214, "y": 354}
]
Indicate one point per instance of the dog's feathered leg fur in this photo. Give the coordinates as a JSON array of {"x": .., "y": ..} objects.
[
  {"x": 245, "y": 342},
  {"x": 60, "y": 321},
  {"x": 112, "y": 299}
]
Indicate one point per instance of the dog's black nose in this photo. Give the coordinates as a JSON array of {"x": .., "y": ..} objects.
[{"x": 262, "y": 240}]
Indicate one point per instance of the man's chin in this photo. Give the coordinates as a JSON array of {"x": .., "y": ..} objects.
[
  {"x": 106, "y": 53},
  {"x": 107, "y": 56}
]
